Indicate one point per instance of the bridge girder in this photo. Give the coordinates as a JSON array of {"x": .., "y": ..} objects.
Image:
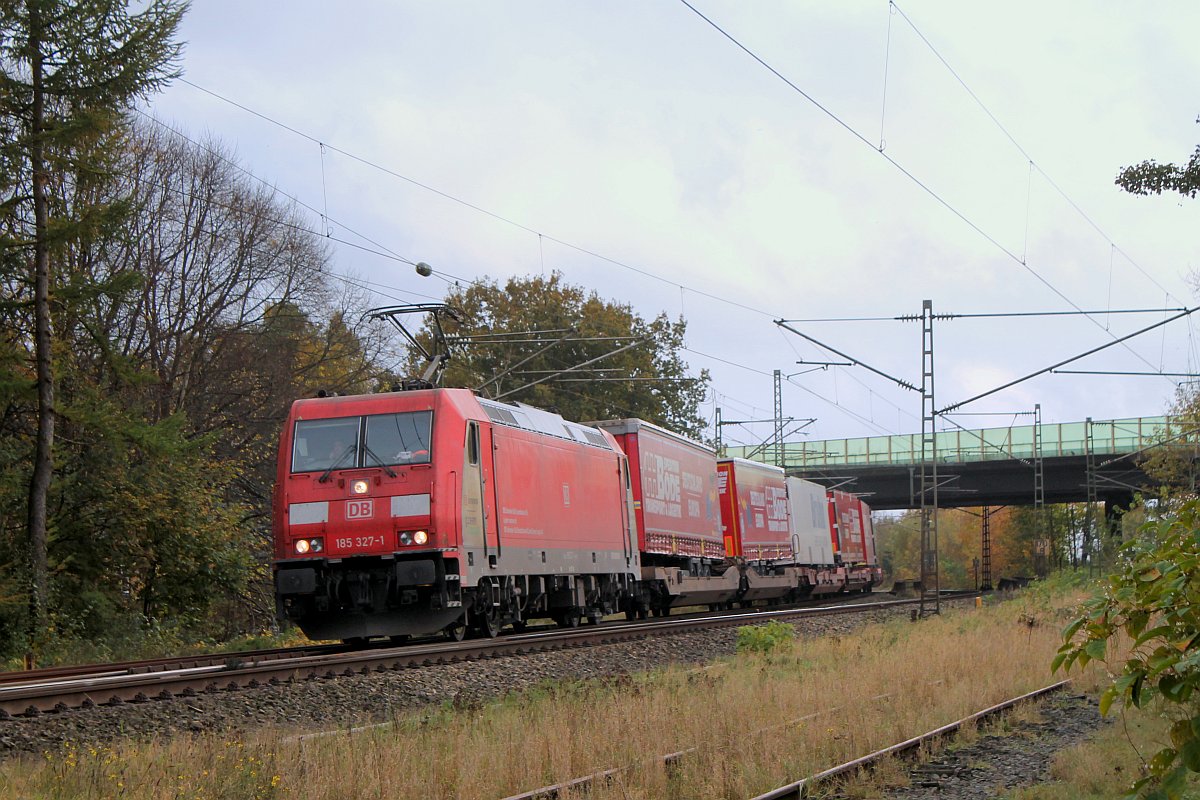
[{"x": 982, "y": 483}]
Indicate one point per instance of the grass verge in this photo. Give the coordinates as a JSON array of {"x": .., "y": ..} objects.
[{"x": 756, "y": 722}]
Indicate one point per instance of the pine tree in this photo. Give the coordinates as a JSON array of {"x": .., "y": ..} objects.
[{"x": 69, "y": 72}]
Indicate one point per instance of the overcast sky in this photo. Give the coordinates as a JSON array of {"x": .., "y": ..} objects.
[{"x": 635, "y": 130}]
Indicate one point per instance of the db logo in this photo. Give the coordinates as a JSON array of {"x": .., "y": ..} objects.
[{"x": 360, "y": 509}]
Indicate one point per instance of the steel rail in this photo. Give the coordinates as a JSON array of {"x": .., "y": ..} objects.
[
  {"x": 797, "y": 788},
  {"x": 159, "y": 664},
  {"x": 64, "y": 692}
]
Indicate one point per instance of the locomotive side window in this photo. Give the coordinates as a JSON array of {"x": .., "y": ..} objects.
[
  {"x": 394, "y": 439},
  {"x": 472, "y": 443},
  {"x": 321, "y": 444}
]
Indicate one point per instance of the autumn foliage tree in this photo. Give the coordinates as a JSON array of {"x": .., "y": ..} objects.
[
  {"x": 636, "y": 368},
  {"x": 183, "y": 334},
  {"x": 69, "y": 71}
]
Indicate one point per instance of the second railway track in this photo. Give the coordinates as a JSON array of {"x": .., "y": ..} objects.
[{"x": 163, "y": 679}]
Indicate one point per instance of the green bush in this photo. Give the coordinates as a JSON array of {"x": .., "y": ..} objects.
[
  {"x": 1153, "y": 597},
  {"x": 764, "y": 638}
]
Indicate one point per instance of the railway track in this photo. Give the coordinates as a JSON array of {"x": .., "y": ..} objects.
[
  {"x": 800, "y": 788},
  {"x": 57, "y": 689}
]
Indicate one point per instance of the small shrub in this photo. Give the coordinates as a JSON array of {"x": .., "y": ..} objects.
[{"x": 764, "y": 638}]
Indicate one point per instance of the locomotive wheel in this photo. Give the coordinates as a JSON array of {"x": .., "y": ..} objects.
[
  {"x": 643, "y": 612},
  {"x": 631, "y": 614},
  {"x": 488, "y": 624},
  {"x": 568, "y": 618},
  {"x": 456, "y": 631}
]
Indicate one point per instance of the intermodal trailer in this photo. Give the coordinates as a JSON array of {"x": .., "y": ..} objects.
[
  {"x": 847, "y": 512},
  {"x": 674, "y": 492},
  {"x": 754, "y": 511},
  {"x": 808, "y": 507},
  {"x": 412, "y": 512},
  {"x": 677, "y": 513}
]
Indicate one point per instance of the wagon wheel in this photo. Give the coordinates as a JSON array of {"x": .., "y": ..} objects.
[
  {"x": 456, "y": 631},
  {"x": 568, "y": 618},
  {"x": 487, "y": 622}
]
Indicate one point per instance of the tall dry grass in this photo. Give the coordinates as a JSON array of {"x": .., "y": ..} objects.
[{"x": 755, "y": 723}]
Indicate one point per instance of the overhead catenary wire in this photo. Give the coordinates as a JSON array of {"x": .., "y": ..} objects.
[
  {"x": 1032, "y": 164},
  {"x": 512, "y": 222},
  {"x": 904, "y": 171},
  {"x": 480, "y": 209},
  {"x": 1066, "y": 361}
]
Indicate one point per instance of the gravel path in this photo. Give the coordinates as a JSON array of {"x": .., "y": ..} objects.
[
  {"x": 996, "y": 764},
  {"x": 323, "y": 704}
]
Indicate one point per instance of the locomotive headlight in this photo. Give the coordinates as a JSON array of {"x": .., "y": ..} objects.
[
  {"x": 420, "y": 537},
  {"x": 316, "y": 545},
  {"x": 359, "y": 487},
  {"x": 302, "y": 546},
  {"x": 405, "y": 538}
]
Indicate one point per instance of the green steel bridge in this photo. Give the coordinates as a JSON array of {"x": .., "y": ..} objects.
[{"x": 1097, "y": 459}]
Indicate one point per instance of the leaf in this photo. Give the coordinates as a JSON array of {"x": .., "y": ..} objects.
[
  {"x": 1106, "y": 700},
  {"x": 1162, "y": 760},
  {"x": 1097, "y": 649},
  {"x": 1069, "y": 632},
  {"x": 1181, "y": 733},
  {"x": 1146, "y": 636},
  {"x": 1135, "y": 692},
  {"x": 1189, "y": 754}
]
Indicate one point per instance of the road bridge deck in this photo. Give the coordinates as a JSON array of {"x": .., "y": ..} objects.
[{"x": 989, "y": 466}]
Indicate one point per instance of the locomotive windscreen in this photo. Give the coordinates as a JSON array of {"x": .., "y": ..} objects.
[{"x": 350, "y": 442}]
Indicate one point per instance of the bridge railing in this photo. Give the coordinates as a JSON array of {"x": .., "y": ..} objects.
[{"x": 1115, "y": 436}]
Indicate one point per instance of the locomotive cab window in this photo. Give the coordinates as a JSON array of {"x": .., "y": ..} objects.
[
  {"x": 321, "y": 444},
  {"x": 398, "y": 439}
]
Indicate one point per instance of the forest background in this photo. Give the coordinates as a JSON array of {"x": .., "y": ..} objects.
[{"x": 160, "y": 309}]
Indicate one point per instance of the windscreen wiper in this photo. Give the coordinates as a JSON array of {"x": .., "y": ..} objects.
[
  {"x": 391, "y": 473},
  {"x": 348, "y": 451}
]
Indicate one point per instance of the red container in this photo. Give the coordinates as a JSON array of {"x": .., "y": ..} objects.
[
  {"x": 847, "y": 513},
  {"x": 754, "y": 510},
  {"x": 674, "y": 490}
]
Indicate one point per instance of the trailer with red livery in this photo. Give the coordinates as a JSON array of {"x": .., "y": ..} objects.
[
  {"x": 422, "y": 511},
  {"x": 754, "y": 513},
  {"x": 846, "y": 511},
  {"x": 854, "y": 537},
  {"x": 678, "y": 520}
]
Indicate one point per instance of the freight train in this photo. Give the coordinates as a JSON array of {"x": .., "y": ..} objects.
[{"x": 435, "y": 510}]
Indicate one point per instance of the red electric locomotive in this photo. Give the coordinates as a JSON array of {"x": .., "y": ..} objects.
[{"x": 432, "y": 510}]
